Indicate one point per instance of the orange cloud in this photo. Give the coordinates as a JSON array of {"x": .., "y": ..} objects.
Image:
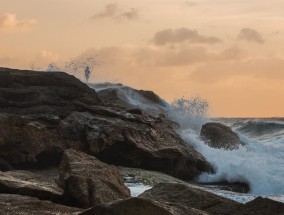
[
  {"x": 250, "y": 35},
  {"x": 179, "y": 35},
  {"x": 112, "y": 11},
  {"x": 9, "y": 22}
]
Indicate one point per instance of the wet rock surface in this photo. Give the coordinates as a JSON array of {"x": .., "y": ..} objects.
[
  {"x": 185, "y": 198},
  {"x": 217, "y": 135},
  {"x": 29, "y": 184},
  {"x": 88, "y": 181},
  {"x": 131, "y": 206},
  {"x": 11, "y": 204}
]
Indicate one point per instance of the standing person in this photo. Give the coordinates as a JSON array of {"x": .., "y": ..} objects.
[{"x": 87, "y": 73}]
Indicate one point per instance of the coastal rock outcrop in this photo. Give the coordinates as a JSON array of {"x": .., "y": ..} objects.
[
  {"x": 29, "y": 184},
  {"x": 11, "y": 204},
  {"x": 89, "y": 182},
  {"x": 147, "y": 143},
  {"x": 45, "y": 113},
  {"x": 56, "y": 93},
  {"x": 130, "y": 206},
  {"x": 184, "y": 198},
  {"x": 217, "y": 135}
]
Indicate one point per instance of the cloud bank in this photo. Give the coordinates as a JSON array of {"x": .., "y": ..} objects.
[
  {"x": 9, "y": 22},
  {"x": 251, "y": 35},
  {"x": 180, "y": 35},
  {"x": 114, "y": 12}
]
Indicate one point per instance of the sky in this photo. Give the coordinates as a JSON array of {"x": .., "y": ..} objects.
[{"x": 230, "y": 53}]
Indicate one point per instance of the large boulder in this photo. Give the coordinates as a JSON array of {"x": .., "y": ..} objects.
[
  {"x": 29, "y": 184},
  {"x": 89, "y": 182},
  {"x": 217, "y": 135},
  {"x": 144, "y": 142},
  {"x": 11, "y": 204}
]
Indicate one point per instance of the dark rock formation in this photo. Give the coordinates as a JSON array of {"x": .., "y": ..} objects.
[
  {"x": 217, "y": 135},
  {"x": 43, "y": 114},
  {"x": 89, "y": 182},
  {"x": 11, "y": 204},
  {"x": 148, "y": 143},
  {"x": 130, "y": 98},
  {"x": 185, "y": 198},
  {"x": 28, "y": 92},
  {"x": 27, "y": 141},
  {"x": 29, "y": 184},
  {"x": 131, "y": 206},
  {"x": 264, "y": 206}
]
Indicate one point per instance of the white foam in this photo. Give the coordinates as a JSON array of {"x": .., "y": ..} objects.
[
  {"x": 137, "y": 188},
  {"x": 259, "y": 165}
]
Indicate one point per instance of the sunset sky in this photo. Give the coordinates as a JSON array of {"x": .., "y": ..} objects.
[{"x": 230, "y": 52}]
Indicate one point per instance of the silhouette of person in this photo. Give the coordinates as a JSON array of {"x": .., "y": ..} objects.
[{"x": 87, "y": 73}]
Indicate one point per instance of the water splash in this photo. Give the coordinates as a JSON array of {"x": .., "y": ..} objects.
[{"x": 190, "y": 113}]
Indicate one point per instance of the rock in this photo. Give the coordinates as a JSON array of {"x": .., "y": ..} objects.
[
  {"x": 11, "y": 204},
  {"x": 264, "y": 206},
  {"x": 130, "y": 98},
  {"x": 217, "y": 135},
  {"x": 43, "y": 114},
  {"x": 29, "y": 92},
  {"x": 146, "y": 177},
  {"x": 185, "y": 198},
  {"x": 27, "y": 142},
  {"x": 89, "y": 182},
  {"x": 130, "y": 206},
  {"x": 239, "y": 187},
  {"x": 147, "y": 143},
  {"x": 30, "y": 184}
]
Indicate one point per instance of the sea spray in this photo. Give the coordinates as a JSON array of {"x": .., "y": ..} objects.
[
  {"x": 260, "y": 163},
  {"x": 190, "y": 113},
  {"x": 256, "y": 164}
]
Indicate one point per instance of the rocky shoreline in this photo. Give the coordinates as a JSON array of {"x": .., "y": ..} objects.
[{"x": 65, "y": 149}]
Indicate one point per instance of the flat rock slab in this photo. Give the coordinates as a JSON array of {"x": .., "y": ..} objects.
[
  {"x": 11, "y": 204},
  {"x": 185, "y": 198},
  {"x": 138, "y": 206},
  {"x": 90, "y": 182},
  {"x": 29, "y": 184}
]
